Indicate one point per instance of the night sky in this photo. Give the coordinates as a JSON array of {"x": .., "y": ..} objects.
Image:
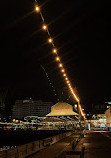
[{"x": 81, "y": 32}]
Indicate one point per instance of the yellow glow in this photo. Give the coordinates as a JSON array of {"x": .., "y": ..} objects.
[
  {"x": 54, "y": 50},
  {"x": 81, "y": 111},
  {"x": 60, "y": 65},
  {"x": 37, "y": 8},
  {"x": 73, "y": 94},
  {"x": 71, "y": 90},
  {"x": 77, "y": 99},
  {"x": 44, "y": 27},
  {"x": 64, "y": 75},
  {"x": 57, "y": 58},
  {"x": 50, "y": 40},
  {"x": 80, "y": 108},
  {"x": 62, "y": 70}
]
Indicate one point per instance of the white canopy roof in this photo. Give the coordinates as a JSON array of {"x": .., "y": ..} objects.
[{"x": 62, "y": 109}]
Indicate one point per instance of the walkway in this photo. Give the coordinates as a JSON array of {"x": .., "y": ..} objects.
[
  {"x": 97, "y": 145},
  {"x": 55, "y": 149}
]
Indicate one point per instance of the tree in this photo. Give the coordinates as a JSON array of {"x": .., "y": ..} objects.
[{"x": 3, "y": 94}]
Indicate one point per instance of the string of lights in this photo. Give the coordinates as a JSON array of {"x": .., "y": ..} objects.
[
  {"x": 52, "y": 86},
  {"x": 58, "y": 59}
]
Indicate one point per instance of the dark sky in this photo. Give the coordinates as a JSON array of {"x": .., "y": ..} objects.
[{"x": 81, "y": 32}]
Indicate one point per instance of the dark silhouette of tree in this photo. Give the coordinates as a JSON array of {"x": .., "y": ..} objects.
[{"x": 3, "y": 94}]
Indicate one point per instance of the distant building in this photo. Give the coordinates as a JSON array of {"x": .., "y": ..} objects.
[
  {"x": 98, "y": 109},
  {"x": 98, "y": 121},
  {"x": 108, "y": 117},
  {"x": 23, "y": 108},
  {"x": 62, "y": 109}
]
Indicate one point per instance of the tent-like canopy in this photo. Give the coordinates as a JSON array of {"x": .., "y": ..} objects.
[{"x": 62, "y": 109}]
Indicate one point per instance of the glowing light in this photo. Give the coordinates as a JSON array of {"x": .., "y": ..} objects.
[
  {"x": 44, "y": 27},
  {"x": 81, "y": 111},
  {"x": 60, "y": 65},
  {"x": 74, "y": 94},
  {"x": 64, "y": 75},
  {"x": 57, "y": 58},
  {"x": 50, "y": 40},
  {"x": 37, "y": 8},
  {"x": 54, "y": 50},
  {"x": 62, "y": 70}
]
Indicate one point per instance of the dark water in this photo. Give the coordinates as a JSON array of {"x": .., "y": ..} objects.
[{"x": 15, "y": 138}]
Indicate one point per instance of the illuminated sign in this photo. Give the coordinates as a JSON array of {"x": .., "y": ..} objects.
[{"x": 63, "y": 109}]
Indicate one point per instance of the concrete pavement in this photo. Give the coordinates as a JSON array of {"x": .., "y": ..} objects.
[
  {"x": 97, "y": 145},
  {"x": 54, "y": 150}
]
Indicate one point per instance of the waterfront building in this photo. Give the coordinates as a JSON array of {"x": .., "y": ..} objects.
[
  {"x": 108, "y": 118},
  {"x": 62, "y": 109},
  {"x": 23, "y": 108}
]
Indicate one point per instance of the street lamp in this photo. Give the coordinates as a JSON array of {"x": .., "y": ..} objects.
[
  {"x": 44, "y": 27},
  {"x": 37, "y": 8}
]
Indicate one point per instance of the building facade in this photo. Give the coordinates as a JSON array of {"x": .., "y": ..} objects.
[
  {"x": 62, "y": 109},
  {"x": 98, "y": 121},
  {"x": 98, "y": 109},
  {"x": 108, "y": 117},
  {"x": 23, "y": 108}
]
